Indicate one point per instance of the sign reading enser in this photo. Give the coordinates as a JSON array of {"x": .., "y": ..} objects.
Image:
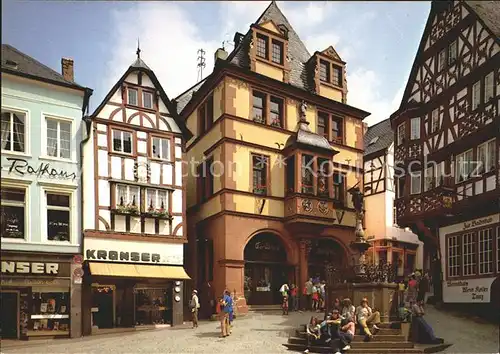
[
  {"x": 96, "y": 249},
  {"x": 30, "y": 268}
]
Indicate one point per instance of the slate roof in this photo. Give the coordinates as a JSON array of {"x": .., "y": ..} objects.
[
  {"x": 305, "y": 136},
  {"x": 385, "y": 136},
  {"x": 17, "y": 63},
  {"x": 489, "y": 13},
  {"x": 184, "y": 98}
]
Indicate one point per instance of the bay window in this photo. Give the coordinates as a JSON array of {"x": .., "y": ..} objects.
[
  {"x": 156, "y": 201},
  {"x": 323, "y": 174},
  {"x": 127, "y": 198},
  {"x": 307, "y": 174}
]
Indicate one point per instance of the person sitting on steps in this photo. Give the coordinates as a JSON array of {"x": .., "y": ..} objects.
[
  {"x": 336, "y": 335},
  {"x": 365, "y": 316},
  {"x": 348, "y": 310},
  {"x": 313, "y": 332},
  {"x": 422, "y": 330}
]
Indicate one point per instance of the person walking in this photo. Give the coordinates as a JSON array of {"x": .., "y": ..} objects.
[
  {"x": 294, "y": 293},
  {"x": 308, "y": 287},
  {"x": 194, "y": 304},
  {"x": 226, "y": 307}
]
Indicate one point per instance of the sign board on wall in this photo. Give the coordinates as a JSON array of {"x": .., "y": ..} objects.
[
  {"x": 467, "y": 290},
  {"x": 97, "y": 249}
]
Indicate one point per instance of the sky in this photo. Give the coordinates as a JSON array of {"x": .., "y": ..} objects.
[{"x": 377, "y": 39}]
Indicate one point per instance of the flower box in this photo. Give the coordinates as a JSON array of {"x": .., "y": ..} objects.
[
  {"x": 158, "y": 213},
  {"x": 127, "y": 210}
]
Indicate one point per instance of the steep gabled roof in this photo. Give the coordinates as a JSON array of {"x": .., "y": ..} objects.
[
  {"x": 18, "y": 63},
  {"x": 140, "y": 65},
  {"x": 489, "y": 13},
  {"x": 378, "y": 137},
  {"x": 297, "y": 51}
]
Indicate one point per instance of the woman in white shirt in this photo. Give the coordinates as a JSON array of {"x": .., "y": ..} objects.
[
  {"x": 365, "y": 316},
  {"x": 348, "y": 310}
]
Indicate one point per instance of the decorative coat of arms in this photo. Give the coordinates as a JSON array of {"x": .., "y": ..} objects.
[
  {"x": 307, "y": 205},
  {"x": 323, "y": 207},
  {"x": 142, "y": 172}
]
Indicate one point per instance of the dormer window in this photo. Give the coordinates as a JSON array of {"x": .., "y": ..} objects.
[
  {"x": 330, "y": 73},
  {"x": 132, "y": 97},
  {"x": 337, "y": 75},
  {"x": 262, "y": 46},
  {"x": 324, "y": 71},
  {"x": 270, "y": 45},
  {"x": 277, "y": 52}
]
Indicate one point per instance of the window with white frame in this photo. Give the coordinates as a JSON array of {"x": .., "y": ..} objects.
[
  {"x": 156, "y": 200},
  {"x": 160, "y": 148},
  {"x": 122, "y": 141},
  {"x": 434, "y": 120},
  {"x": 452, "y": 52},
  {"x": 58, "y": 138},
  {"x": 441, "y": 59},
  {"x": 13, "y": 131},
  {"x": 485, "y": 251},
  {"x": 415, "y": 182},
  {"x": 486, "y": 156},
  {"x": 469, "y": 243},
  {"x": 488, "y": 87},
  {"x": 429, "y": 178},
  {"x": 127, "y": 196},
  {"x": 147, "y": 99},
  {"x": 454, "y": 256},
  {"x": 58, "y": 216},
  {"x": 132, "y": 97},
  {"x": 13, "y": 213},
  {"x": 476, "y": 95},
  {"x": 415, "y": 128},
  {"x": 464, "y": 166},
  {"x": 401, "y": 133}
]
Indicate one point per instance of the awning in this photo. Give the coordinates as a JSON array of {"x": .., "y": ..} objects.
[{"x": 137, "y": 270}]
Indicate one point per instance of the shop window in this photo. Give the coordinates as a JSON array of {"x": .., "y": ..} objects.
[
  {"x": 290, "y": 174},
  {"x": 307, "y": 174},
  {"x": 260, "y": 167},
  {"x": 13, "y": 131},
  {"x": 122, "y": 141},
  {"x": 382, "y": 257},
  {"x": 132, "y": 97},
  {"x": 58, "y": 217},
  {"x": 58, "y": 138},
  {"x": 13, "y": 213},
  {"x": 152, "y": 306},
  {"x": 147, "y": 99},
  {"x": 160, "y": 148},
  {"x": 50, "y": 312}
]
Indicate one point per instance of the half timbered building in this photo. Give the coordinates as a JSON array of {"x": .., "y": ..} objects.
[
  {"x": 389, "y": 242},
  {"x": 134, "y": 206},
  {"x": 446, "y": 135}
]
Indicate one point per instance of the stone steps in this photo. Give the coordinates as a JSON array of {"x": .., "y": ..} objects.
[
  {"x": 361, "y": 344},
  {"x": 359, "y": 338},
  {"x": 324, "y": 349}
]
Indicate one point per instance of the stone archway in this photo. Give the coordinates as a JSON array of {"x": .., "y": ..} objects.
[
  {"x": 266, "y": 269},
  {"x": 326, "y": 253}
]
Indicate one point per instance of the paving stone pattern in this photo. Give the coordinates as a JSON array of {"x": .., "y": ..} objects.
[{"x": 255, "y": 333}]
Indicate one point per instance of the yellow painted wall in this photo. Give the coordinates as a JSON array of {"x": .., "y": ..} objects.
[
  {"x": 270, "y": 26},
  {"x": 250, "y": 204},
  {"x": 218, "y": 100},
  {"x": 213, "y": 206},
  {"x": 330, "y": 93},
  {"x": 269, "y": 70}
]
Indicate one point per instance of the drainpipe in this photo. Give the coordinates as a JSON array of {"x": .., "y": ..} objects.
[{"x": 88, "y": 125}]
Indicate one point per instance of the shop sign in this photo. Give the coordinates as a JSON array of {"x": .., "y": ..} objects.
[
  {"x": 12, "y": 267},
  {"x": 133, "y": 252},
  {"x": 22, "y": 167},
  {"x": 478, "y": 223},
  {"x": 467, "y": 291}
]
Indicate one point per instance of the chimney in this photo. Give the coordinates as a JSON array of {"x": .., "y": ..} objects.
[
  {"x": 237, "y": 38},
  {"x": 67, "y": 69},
  {"x": 220, "y": 54}
]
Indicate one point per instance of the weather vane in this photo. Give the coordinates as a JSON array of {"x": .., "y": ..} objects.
[{"x": 138, "y": 52}]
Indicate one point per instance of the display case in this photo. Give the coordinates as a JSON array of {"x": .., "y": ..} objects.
[
  {"x": 50, "y": 312},
  {"x": 152, "y": 306}
]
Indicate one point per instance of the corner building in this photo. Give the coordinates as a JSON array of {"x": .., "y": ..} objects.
[
  {"x": 134, "y": 208},
  {"x": 268, "y": 109}
]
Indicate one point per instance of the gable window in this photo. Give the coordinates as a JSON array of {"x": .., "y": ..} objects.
[
  {"x": 322, "y": 124},
  {"x": 156, "y": 200},
  {"x": 452, "y": 53},
  {"x": 486, "y": 156},
  {"x": 147, "y": 99},
  {"x": 415, "y": 128},
  {"x": 205, "y": 179},
  {"x": 324, "y": 71},
  {"x": 338, "y": 186},
  {"x": 127, "y": 196},
  {"x": 415, "y": 182},
  {"x": 58, "y": 217},
  {"x": 160, "y": 148},
  {"x": 206, "y": 114},
  {"x": 434, "y": 121},
  {"x": 267, "y": 109},
  {"x": 441, "y": 60},
  {"x": 429, "y": 178},
  {"x": 262, "y": 46},
  {"x": 488, "y": 87},
  {"x": 307, "y": 174},
  {"x": 260, "y": 165},
  {"x": 464, "y": 165},
  {"x": 122, "y": 141},
  {"x": 58, "y": 138},
  {"x": 277, "y": 52},
  {"x": 337, "y": 76},
  {"x": 401, "y": 133},
  {"x": 476, "y": 95},
  {"x": 337, "y": 129},
  {"x": 13, "y": 131},
  {"x": 13, "y": 212},
  {"x": 132, "y": 97}
]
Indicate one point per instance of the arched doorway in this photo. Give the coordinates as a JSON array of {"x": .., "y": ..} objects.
[
  {"x": 325, "y": 253},
  {"x": 266, "y": 269}
]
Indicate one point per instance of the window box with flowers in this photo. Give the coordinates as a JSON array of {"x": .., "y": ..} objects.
[
  {"x": 128, "y": 209},
  {"x": 157, "y": 204},
  {"x": 159, "y": 213},
  {"x": 127, "y": 198}
]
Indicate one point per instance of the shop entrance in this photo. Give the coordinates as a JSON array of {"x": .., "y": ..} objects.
[
  {"x": 103, "y": 306},
  {"x": 266, "y": 269},
  {"x": 9, "y": 311},
  {"x": 325, "y": 254}
]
